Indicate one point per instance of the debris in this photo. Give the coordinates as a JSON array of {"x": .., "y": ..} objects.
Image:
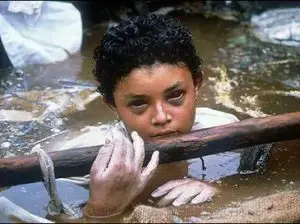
[
  {"x": 16, "y": 115},
  {"x": 5, "y": 145},
  {"x": 279, "y": 26}
]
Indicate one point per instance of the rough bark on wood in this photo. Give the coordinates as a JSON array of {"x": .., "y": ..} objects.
[{"x": 77, "y": 161}]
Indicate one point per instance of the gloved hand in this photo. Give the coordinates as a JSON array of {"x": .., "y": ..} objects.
[
  {"x": 182, "y": 191},
  {"x": 117, "y": 175}
]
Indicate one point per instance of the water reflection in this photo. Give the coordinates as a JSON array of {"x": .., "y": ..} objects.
[
  {"x": 217, "y": 166},
  {"x": 34, "y": 198}
]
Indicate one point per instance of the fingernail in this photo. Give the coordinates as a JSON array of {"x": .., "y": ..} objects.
[
  {"x": 194, "y": 202},
  {"x": 198, "y": 201},
  {"x": 154, "y": 194},
  {"x": 175, "y": 203}
]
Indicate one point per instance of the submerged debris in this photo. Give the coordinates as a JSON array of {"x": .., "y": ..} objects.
[
  {"x": 279, "y": 26},
  {"x": 292, "y": 93},
  {"x": 5, "y": 145},
  {"x": 30, "y": 113}
]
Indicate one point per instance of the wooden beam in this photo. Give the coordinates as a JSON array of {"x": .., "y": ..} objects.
[{"x": 77, "y": 161}]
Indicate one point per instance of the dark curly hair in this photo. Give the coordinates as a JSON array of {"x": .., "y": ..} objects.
[{"x": 142, "y": 41}]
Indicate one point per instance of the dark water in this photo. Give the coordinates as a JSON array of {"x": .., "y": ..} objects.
[
  {"x": 34, "y": 198},
  {"x": 257, "y": 79}
]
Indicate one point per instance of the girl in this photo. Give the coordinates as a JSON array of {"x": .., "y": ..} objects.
[{"x": 149, "y": 74}]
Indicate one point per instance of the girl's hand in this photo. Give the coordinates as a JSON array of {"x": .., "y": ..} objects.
[
  {"x": 183, "y": 191},
  {"x": 117, "y": 175}
]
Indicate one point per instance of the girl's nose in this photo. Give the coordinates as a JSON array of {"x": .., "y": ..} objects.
[{"x": 161, "y": 117}]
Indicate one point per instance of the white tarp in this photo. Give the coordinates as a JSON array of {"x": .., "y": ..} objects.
[
  {"x": 279, "y": 26},
  {"x": 39, "y": 32}
]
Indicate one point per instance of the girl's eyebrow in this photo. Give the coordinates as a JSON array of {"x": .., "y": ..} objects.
[
  {"x": 134, "y": 96},
  {"x": 173, "y": 87},
  {"x": 139, "y": 96}
]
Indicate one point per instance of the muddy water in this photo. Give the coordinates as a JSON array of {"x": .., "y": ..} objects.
[{"x": 242, "y": 76}]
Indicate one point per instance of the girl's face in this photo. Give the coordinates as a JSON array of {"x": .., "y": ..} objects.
[{"x": 157, "y": 100}]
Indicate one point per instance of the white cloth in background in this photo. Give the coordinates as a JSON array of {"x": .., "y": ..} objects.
[
  {"x": 26, "y": 7},
  {"x": 39, "y": 32}
]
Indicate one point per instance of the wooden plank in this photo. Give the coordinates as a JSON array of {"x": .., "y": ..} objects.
[{"x": 77, "y": 161}]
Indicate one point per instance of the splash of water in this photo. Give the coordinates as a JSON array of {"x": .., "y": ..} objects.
[{"x": 223, "y": 87}]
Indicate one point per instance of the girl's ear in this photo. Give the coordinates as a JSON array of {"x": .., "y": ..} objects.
[
  {"x": 109, "y": 104},
  {"x": 198, "y": 83}
]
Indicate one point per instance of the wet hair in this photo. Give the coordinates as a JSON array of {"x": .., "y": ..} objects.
[{"x": 142, "y": 41}]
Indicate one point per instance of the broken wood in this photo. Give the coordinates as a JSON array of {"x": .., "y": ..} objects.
[{"x": 78, "y": 161}]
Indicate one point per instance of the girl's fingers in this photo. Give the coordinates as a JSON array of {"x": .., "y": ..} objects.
[
  {"x": 129, "y": 160},
  {"x": 205, "y": 195},
  {"x": 103, "y": 158},
  {"x": 139, "y": 150},
  {"x": 170, "y": 197},
  {"x": 148, "y": 171},
  {"x": 119, "y": 152},
  {"x": 190, "y": 190},
  {"x": 169, "y": 186}
]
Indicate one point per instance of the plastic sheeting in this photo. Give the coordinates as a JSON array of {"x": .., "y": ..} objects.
[{"x": 39, "y": 32}]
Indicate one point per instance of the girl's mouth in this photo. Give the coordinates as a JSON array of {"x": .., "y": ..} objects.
[{"x": 165, "y": 134}]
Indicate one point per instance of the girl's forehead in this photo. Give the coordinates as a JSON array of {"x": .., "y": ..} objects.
[
  {"x": 154, "y": 78},
  {"x": 157, "y": 68}
]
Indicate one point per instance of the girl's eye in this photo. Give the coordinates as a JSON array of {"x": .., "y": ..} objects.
[
  {"x": 176, "y": 97},
  {"x": 138, "y": 105}
]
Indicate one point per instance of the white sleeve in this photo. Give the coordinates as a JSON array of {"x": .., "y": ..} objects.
[{"x": 206, "y": 118}]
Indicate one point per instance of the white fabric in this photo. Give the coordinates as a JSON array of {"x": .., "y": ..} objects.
[
  {"x": 26, "y": 7},
  {"x": 207, "y": 117},
  {"x": 39, "y": 32}
]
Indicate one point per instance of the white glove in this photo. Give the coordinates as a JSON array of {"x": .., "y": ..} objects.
[
  {"x": 117, "y": 175},
  {"x": 182, "y": 191}
]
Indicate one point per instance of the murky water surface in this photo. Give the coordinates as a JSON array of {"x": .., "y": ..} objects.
[{"x": 242, "y": 76}]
